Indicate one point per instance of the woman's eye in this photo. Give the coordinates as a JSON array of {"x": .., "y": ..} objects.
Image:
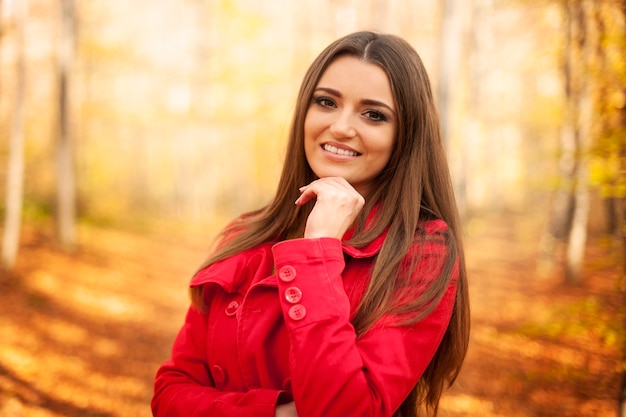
[
  {"x": 325, "y": 102},
  {"x": 375, "y": 116}
]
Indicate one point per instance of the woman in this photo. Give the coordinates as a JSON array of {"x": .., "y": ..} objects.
[{"x": 352, "y": 301}]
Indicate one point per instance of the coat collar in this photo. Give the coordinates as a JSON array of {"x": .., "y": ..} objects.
[
  {"x": 239, "y": 270},
  {"x": 257, "y": 263}
]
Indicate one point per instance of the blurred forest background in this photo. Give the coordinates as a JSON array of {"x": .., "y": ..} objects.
[{"x": 133, "y": 130}]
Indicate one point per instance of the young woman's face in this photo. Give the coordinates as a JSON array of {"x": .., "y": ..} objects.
[{"x": 350, "y": 126}]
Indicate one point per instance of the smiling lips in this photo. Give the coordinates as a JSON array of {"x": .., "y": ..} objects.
[{"x": 339, "y": 151}]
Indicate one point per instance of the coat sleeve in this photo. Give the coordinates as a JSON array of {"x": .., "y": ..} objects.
[
  {"x": 332, "y": 372},
  {"x": 183, "y": 386}
]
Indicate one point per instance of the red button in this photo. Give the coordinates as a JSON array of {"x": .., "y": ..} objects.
[
  {"x": 219, "y": 374},
  {"x": 232, "y": 307},
  {"x": 287, "y": 273},
  {"x": 297, "y": 312},
  {"x": 293, "y": 295}
]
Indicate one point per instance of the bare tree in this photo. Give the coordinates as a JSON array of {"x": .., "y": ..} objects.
[
  {"x": 582, "y": 17},
  {"x": 1, "y": 29},
  {"x": 621, "y": 218},
  {"x": 15, "y": 171},
  {"x": 66, "y": 188},
  {"x": 455, "y": 15},
  {"x": 569, "y": 216},
  {"x": 449, "y": 57},
  {"x": 622, "y": 154}
]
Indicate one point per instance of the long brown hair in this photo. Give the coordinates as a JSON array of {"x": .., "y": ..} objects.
[{"x": 414, "y": 186}]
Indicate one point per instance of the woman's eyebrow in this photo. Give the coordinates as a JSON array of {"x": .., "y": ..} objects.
[
  {"x": 367, "y": 101},
  {"x": 329, "y": 90}
]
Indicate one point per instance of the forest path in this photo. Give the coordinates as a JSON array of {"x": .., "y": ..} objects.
[{"x": 83, "y": 334}]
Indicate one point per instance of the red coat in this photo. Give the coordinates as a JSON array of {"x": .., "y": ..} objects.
[{"x": 271, "y": 337}]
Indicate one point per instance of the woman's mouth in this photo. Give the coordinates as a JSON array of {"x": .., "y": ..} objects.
[{"x": 339, "y": 151}]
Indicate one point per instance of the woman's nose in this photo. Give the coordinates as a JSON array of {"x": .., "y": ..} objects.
[{"x": 343, "y": 126}]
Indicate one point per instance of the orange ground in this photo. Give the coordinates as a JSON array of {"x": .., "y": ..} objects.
[{"x": 82, "y": 334}]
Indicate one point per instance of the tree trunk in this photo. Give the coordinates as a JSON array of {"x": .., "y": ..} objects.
[
  {"x": 450, "y": 57},
  {"x": 15, "y": 170},
  {"x": 1, "y": 36},
  {"x": 565, "y": 199},
  {"x": 622, "y": 221},
  {"x": 620, "y": 209},
  {"x": 586, "y": 15},
  {"x": 66, "y": 188},
  {"x": 452, "y": 84},
  {"x": 621, "y": 206}
]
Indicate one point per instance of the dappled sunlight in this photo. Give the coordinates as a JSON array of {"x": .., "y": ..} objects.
[
  {"x": 83, "y": 298},
  {"x": 83, "y": 333},
  {"x": 57, "y": 358},
  {"x": 20, "y": 358},
  {"x": 72, "y": 335},
  {"x": 505, "y": 345},
  {"x": 468, "y": 405}
]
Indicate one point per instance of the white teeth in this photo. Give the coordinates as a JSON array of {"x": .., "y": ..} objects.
[{"x": 333, "y": 149}]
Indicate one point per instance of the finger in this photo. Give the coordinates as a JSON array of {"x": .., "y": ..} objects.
[
  {"x": 306, "y": 196},
  {"x": 328, "y": 186},
  {"x": 329, "y": 183},
  {"x": 307, "y": 192},
  {"x": 311, "y": 191}
]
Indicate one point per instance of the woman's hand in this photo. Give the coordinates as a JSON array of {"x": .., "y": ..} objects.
[
  {"x": 337, "y": 205},
  {"x": 286, "y": 410}
]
